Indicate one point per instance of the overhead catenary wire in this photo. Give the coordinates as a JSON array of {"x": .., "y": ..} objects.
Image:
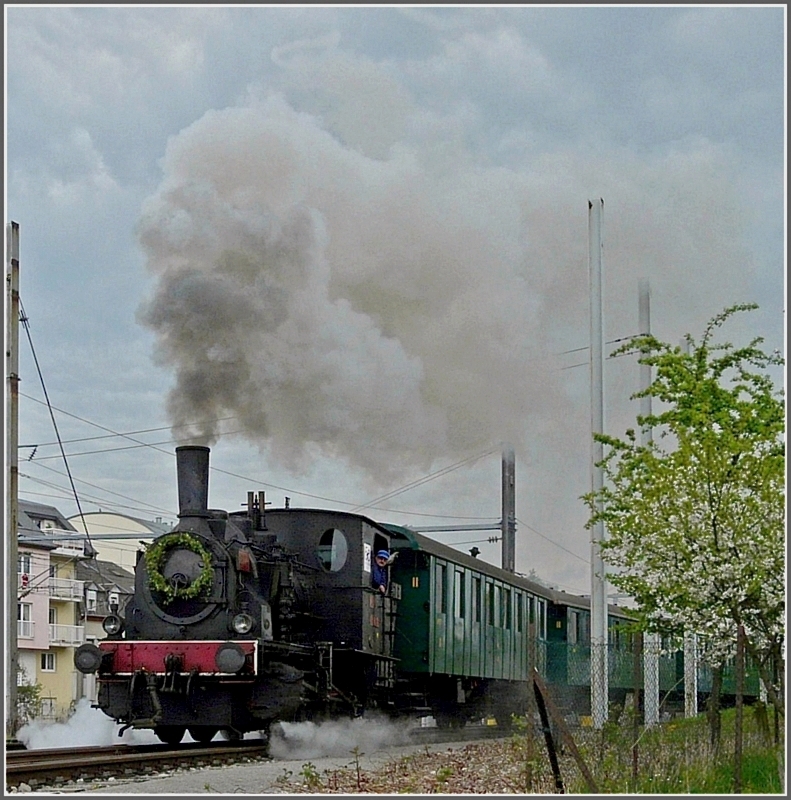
[
  {"x": 353, "y": 507},
  {"x": 425, "y": 479},
  {"x": 113, "y": 435},
  {"x": 25, "y": 324},
  {"x": 95, "y": 499},
  {"x": 557, "y": 544}
]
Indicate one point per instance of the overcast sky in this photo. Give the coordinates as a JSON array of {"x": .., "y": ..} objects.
[{"x": 347, "y": 247}]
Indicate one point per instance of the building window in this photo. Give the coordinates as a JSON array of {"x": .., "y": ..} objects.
[
  {"x": 53, "y": 616},
  {"x": 23, "y": 564},
  {"x": 112, "y": 598},
  {"x": 48, "y": 662},
  {"x": 90, "y": 597},
  {"x": 24, "y": 612},
  {"x": 53, "y": 571}
]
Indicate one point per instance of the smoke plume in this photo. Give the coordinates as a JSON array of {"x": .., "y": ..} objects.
[{"x": 389, "y": 311}]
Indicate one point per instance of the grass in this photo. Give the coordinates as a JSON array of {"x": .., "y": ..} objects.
[
  {"x": 678, "y": 758},
  {"x": 673, "y": 758}
]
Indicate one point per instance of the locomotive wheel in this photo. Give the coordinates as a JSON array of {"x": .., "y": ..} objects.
[
  {"x": 170, "y": 734},
  {"x": 203, "y": 734}
]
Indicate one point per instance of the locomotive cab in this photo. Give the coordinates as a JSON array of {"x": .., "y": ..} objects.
[{"x": 352, "y": 617}]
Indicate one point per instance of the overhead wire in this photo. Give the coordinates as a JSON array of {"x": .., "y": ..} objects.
[
  {"x": 113, "y": 435},
  {"x": 425, "y": 479},
  {"x": 23, "y": 318},
  {"x": 557, "y": 544}
]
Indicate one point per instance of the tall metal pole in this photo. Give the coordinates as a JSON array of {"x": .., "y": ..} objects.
[
  {"x": 599, "y": 660},
  {"x": 508, "y": 522},
  {"x": 652, "y": 644},
  {"x": 690, "y": 641},
  {"x": 12, "y": 506}
]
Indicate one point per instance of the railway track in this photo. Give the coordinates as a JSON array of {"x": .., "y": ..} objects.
[{"x": 56, "y": 767}]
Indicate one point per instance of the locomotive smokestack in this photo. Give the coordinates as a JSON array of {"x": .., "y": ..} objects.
[{"x": 192, "y": 471}]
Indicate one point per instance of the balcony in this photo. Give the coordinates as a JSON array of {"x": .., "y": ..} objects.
[
  {"x": 25, "y": 629},
  {"x": 66, "y": 635},
  {"x": 65, "y": 589}
]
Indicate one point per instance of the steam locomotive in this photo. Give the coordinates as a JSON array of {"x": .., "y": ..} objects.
[{"x": 243, "y": 619}]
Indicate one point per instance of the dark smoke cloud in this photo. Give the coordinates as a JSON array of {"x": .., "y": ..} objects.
[{"x": 390, "y": 311}]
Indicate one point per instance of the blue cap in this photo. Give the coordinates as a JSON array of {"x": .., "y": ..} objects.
[{"x": 383, "y": 554}]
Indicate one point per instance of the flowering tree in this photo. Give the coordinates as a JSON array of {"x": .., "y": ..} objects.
[{"x": 696, "y": 518}]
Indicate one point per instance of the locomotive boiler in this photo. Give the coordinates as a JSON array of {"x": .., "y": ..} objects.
[{"x": 242, "y": 619}]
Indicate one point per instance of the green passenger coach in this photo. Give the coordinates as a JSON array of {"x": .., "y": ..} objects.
[{"x": 463, "y": 632}]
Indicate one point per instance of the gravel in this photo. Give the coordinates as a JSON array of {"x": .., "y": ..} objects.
[{"x": 381, "y": 771}]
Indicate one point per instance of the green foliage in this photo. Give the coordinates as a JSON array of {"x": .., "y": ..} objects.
[
  {"x": 28, "y": 702},
  {"x": 155, "y": 557},
  {"x": 676, "y": 758},
  {"x": 696, "y": 518},
  {"x": 310, "y": 776}
]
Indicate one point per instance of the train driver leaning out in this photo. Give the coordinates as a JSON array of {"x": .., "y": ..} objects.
[{"x": 379, "y": 571}]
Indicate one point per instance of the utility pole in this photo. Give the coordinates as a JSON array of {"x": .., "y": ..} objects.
[
  {"x": 652, "y": 641},
  {"x": 508, "y": 520},
  {"x": 12, "y": 505},
  {"x": 599, "y": 655}
]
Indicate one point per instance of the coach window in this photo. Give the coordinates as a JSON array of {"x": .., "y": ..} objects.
[
  {"x": 572, "y": 627},
  {"x": 541, "y": 618},
  {"x": 459, "y": 596},
  {"x": 442, "y": 587},
  {"x": 507, "y": 608},
  {"x": 476, "y": 599},
  {"x": 491, "y": 609},
  {"x": 332, "y": 550},
  {"x": 520, "y": 619}
]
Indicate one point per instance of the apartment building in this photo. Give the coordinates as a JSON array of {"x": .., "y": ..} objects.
[
  {"x": 49, "y": 607},
  {"x": 106, "y": 585}
]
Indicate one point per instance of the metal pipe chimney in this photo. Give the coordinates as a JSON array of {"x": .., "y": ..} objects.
[
  {"x": 508, "y": 522},
  {"x": 192, "y": 473}
]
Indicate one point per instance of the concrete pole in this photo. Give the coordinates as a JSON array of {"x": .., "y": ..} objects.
[
  {"x": 690, "y": 675},
  {"x": 652, "y": 645},
  {"x": 12, "y": 494},
  {"x": 508, "y": 521},
  {"x": 599, "y": 655}
]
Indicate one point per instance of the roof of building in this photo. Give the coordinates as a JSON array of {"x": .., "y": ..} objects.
[
  {"x": 29, "y": 518},
  {"x": 157, "y": 528},
  {"x": 105, "y": 573},
  {"x": 39, "y": 511}
]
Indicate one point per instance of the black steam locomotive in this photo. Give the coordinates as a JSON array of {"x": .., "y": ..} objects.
[
  {"x": 244, "y": 619},
  {"x": 239, "y": 620}
]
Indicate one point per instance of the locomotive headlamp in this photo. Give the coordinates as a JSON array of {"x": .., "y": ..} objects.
[
  {"x": 242, "y": 623},
  {"x": 112, "y": 624},
  {"x": 87, "y": 658}
]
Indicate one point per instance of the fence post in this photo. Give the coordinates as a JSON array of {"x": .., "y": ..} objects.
[
  {"x": 637, "y": 638},
  {"x": 737, "y": 755},
  {"x": 690, "y": 675}
]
